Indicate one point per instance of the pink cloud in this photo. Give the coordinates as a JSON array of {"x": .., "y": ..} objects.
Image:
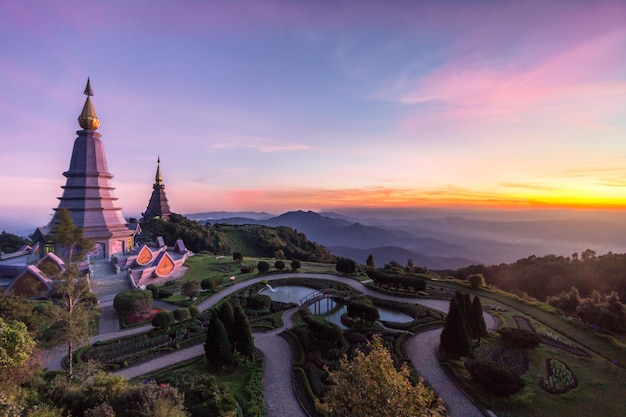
[{"x": 464, "y": 91}]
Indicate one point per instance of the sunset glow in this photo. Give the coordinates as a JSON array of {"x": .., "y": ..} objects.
[{"x": 281, "y": 105}]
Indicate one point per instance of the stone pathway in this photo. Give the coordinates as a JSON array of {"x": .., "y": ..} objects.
[{"x": 280, "y": 399}]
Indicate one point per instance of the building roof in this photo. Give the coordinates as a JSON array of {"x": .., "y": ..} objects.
[
  {"x": 158, "y": 206},
  {"x": 88, "y": 192}
]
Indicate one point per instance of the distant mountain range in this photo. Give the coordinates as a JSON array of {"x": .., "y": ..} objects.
[{"x": 440, "y": 241}]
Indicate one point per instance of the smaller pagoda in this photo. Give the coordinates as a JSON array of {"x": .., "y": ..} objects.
[{"x": 158, "y": 207}]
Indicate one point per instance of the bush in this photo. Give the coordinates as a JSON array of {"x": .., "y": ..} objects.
[
  {"x": 194, "y": 312},
  {"x": 476, "y": 281},
  {"x": 207, "y": 284},
  {"x": 279, "y": 265},
  {"x": 295, "y": 265},
  {"x": 346, "y": 266},
  {"x": 518, "y": 338},
  {"x": 133, "y": 301},
  {"x": 154, "y": 290},
  {"x": 182, "y": 314},
  {"x": 163, "y": 319},
  {"x": 247, "y": 269},
  {"x": 263, "y": 267},
  {"x": 237, "y": 256},
  {"x": 164, "y": 293},
  {"x": 363, "y": 310},
  {"x": 190, "y": 289},
  {"x": 258, "y": 302},
  {"x": 498, "y": 380}
]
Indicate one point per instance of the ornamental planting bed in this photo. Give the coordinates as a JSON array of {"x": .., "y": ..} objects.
[
  {"x": 551, "y": 338},
  {"x": 560, "y": 378}
]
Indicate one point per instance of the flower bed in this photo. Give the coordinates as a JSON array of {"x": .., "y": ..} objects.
[
  {"x": 560, "y": 378},
  {"x": 551, "y": 338},
  {"x": 556, "y": 340}
]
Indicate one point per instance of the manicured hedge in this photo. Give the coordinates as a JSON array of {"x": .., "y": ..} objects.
[
  {"x": 518, "y": 338},
  {"x": 163, "y": 319},
  {"x": 182, "y": 314},
  {"x": 133, "y": 301},
  {"x": 258, "y": 302},
  {"x": 495, "y": 378}
]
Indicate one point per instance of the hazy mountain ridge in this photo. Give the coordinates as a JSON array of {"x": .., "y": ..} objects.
[{"x": 439, "y": 238}]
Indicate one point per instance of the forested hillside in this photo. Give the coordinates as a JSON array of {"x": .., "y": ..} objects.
[
  {"x": 587, "y": 286},
  {"x": 251, "y": 240},
  {"x": 548, "y": 275}
]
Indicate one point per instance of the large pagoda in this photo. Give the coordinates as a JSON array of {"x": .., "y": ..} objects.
[
  {"x": 88, "y": 193},
  {"x": 158, "y": 207}
]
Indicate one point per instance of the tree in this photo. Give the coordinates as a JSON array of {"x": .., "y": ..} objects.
[
  {"x": 476, "y": 281},
  {"x": 227, "y": 317},
  {"x": 16, "y": 345},
  {"x": 454, "y": 340},
  {"x": 217, "y": 346},
  {"x": 478, "y": 319},
  {"x": 190, "y": 289},
  {"x": 410, "y": 266},
  {"x": 370, "y": 261},
  {"x": 242, "y": 337},
  {"x": 10, "y": 243},
  {"x": 369, "y": 384},
  {"x": 77, "y": 307}
]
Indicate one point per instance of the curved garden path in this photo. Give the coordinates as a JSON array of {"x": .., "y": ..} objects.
[{"x": 280, "y": 398}]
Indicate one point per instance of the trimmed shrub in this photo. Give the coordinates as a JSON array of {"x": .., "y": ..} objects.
[
  {"x": 154, "y": 290},
  {"x": 279, "y": 265},
  {"x": 363, "y": 310},
  {"x": 295, "y": 265},
  {"x": 237, "y": 256},
  {"x": 207, "y": 284},
  {"x": 476, "y": 281},
  {"x": 263, "y": 267},
  {"x": 498, "y": 380},
  {"x": 163, "y": 319},
  {"x": 164, "y": 292},
  {"x": 134, "y": 301},
  {"x": 258, "y": 302},
  {"x": 346, "y": 266},
  {"x": 324, "y": 331},
  {"x": 518, "y": 338},
  {"x": 194, "y": 311},
  {"x": 182, "y": 314}
]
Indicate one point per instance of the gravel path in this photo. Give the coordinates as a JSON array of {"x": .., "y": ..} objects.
[
  {"x": 278, "y": 390},
  {"x": 280, "y": 399}
]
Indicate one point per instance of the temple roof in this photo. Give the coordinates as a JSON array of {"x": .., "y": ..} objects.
[{"x": 158, "y": 207}]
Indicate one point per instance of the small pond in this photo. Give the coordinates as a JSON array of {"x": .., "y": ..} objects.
[{"x": 327, "y": 308}]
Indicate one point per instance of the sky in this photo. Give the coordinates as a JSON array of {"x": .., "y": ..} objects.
[{"x": 318, "y": 105}]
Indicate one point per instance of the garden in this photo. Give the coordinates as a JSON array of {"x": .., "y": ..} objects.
[{"x": 559, "y": 378}]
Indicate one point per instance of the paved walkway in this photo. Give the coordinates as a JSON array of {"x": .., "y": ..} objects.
[
  {"x": 280, "y": 399},
  {"x": 278, "y": 390}
]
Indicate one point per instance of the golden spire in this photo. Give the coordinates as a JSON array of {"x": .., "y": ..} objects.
[
  {"x": 158, "y": 178},
  {"x": 88, "y": 118}
]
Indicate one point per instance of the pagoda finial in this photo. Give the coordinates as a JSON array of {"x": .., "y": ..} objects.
[
  {"x": 158, "y": 179},
  {"x": 88, "y": 90},
  {"x": 88, "y": 118}
]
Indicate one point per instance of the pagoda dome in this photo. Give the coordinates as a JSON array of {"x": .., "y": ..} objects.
[{"x": 88, "y": 119}]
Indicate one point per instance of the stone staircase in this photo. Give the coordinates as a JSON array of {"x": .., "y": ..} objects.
[{"x": 105, "y": 280}]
